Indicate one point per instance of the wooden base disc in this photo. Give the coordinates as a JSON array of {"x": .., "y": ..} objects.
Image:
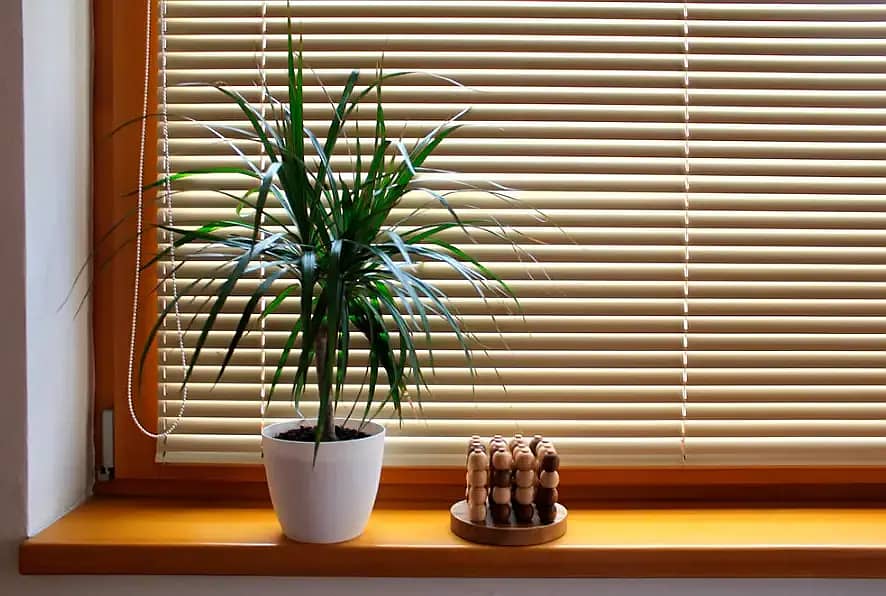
[{"x": 511, "y": 534}]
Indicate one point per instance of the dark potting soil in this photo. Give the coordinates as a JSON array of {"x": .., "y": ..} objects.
[{"x": 307, "y": 434}]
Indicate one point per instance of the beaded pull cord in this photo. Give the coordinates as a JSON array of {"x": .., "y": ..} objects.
[
  {"x": 168, "y": 220},
  {"x": 684, "y": 376}
]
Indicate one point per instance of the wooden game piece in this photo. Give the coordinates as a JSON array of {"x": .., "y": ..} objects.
[
  {"x": 543, "y": 446},
  {"x": 523, "y": 513},
  {"x": 501, "y": 478},
  {"x": 476, "y": 495},
  {"x": 476, "y": 447},
  {"x": 548, "y": 476},
  {"x": 477, "y": 478},
  {"x": 546, "y": 497},
  {"x": 515, "y": 442},
  {"x": 477, "y": 513},
  {"x": 548, "y": 479},
  {"x": 477, "y": 460},
  {"x": 534, "y": 443},
  {"x": 501, "y": 495},
  {"x": 547, "y": 515},
  {"x": 501, "y": 459},
  {"x": 550, "y": 462},
  {"x": 501, "y": 513},
  {"x": 499, "y": 456},
  {"x": 524, "y": 478},
  {"x": 524, "y": 495},
  {"x": 524, "y": 460}
]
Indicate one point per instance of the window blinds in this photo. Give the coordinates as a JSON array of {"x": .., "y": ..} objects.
[{"x": 579, "y": 106}]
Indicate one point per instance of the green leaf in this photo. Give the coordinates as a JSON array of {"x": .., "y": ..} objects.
[{"x": 245, "y": 317}]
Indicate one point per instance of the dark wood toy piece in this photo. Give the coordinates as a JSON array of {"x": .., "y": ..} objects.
[{"x": 546, "y": 494}]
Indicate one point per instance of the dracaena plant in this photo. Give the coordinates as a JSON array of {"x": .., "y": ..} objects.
[{"x": 322, "y": 238}]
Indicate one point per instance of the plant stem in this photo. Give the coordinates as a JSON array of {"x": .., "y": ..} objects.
[{"x": 324, "y": 386}]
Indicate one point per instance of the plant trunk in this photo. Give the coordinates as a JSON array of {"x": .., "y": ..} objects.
[{"x": 324, "y": 385}]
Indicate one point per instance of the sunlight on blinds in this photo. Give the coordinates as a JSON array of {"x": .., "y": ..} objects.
[{"x": 582, "y": 108}]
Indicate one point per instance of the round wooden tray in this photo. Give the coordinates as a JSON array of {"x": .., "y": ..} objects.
[{"x": 512, "y": 534}]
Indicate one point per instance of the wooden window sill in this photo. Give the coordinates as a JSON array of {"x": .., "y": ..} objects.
[{"x": 163, "y": 536}]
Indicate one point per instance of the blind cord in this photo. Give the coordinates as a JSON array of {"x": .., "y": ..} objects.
[
  {"x": 684, "y": 377},
  {"x": 263, "y": 73},
  {"x": 265, "y": 99},
  {"x": 168, "y": 219}
]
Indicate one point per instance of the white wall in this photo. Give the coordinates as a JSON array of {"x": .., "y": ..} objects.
[
  {"x": 43, "y": 353},
  {"x": 57, "y": 89}
]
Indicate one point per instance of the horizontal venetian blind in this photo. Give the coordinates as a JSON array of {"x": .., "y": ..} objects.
[{"x": 580, "y": 107}]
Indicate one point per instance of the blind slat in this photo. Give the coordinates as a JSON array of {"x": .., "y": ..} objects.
[{"x": 716, "y": 413}]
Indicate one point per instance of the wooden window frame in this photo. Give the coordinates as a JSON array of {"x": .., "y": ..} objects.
[{"x": 119, "y": 29}]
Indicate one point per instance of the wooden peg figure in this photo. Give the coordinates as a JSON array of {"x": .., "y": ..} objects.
[
  {"x": 500, "y": 468},
  {"x": 524, "y": 484},
  {"x": 547, "y": 464},
  {"x": 477, "y": 482}
]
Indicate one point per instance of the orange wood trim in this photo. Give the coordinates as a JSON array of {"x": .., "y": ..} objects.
[
  {"x": 102, "y": 165},
  {"x": 119, "y": 68},
  {"x": 119, "y": 33},
  {"x": 686, "y": 476},
  {"x": 692, "y": 486},
  {"x": 150, "y": 536}
]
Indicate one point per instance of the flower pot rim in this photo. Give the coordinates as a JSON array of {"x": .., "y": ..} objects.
[{"x": 373, "y": 428}]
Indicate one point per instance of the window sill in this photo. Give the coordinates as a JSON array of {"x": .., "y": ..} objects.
[{"x": 163, "y": 536}]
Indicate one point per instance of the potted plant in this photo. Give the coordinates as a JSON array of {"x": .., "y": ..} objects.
[{"x": 326, "y": 244}]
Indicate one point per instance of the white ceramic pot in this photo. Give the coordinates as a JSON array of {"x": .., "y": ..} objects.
[{"x": 330, "y": 501}]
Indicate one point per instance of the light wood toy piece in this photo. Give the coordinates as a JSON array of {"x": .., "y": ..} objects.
[{"x": 476, "y": 480}]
